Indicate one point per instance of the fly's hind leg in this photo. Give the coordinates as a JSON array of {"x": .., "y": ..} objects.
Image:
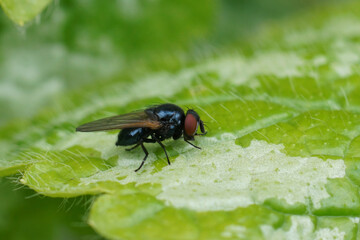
[
  {"x": 138, "y": 144},
  {"x": 132, "y": 148}
]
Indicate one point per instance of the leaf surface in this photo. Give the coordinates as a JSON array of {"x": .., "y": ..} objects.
[{"x": 280, "y": 161}]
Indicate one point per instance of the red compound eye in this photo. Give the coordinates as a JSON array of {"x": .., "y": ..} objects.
[{"x": 190, "y": 125}]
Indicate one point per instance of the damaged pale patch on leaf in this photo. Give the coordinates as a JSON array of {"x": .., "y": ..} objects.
[{"x": 225, "y": 176}]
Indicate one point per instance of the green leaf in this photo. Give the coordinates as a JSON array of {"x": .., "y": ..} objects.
[
  {"x": 280, "y": 161},
  {"x": 21, "y": 11}
]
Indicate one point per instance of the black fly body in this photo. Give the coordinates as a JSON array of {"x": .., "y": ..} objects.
[{"x": 152, "y": 125}]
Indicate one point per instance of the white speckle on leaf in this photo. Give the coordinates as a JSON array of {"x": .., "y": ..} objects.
[
  {"x": 239, "y": 70},
  {"x": 329, "y": 234},
  {"x": 343, "y": 70},
  {"x": 232, "y": 231},
  {"x": 355, "y": 219},
  {"x": 345, "y": 59},
  {"x": 340, "y": 27},
  {"x": 319, "y": 60},
  {"x": 302, "y": 228},
  {"x": 347, "y": 56},
  {"x": 225, "y": 176}
]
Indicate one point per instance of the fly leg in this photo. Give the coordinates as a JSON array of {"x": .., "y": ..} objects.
[
  {"x": 192, "y": 144},
  {"x": 141, "y": 143},
  {"x": 163, "y": 147},
  {"x": 132, "y": 148},
  {"x": 200, "y": 134},
  {"x": 146, "y": 155},
  {"x": 138, "y": 144}
]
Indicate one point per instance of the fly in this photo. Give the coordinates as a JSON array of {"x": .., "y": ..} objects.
[{"x": 152, "y": 125}]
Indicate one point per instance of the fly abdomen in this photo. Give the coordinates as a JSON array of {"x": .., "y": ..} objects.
[{"x": 131, "y": 136}]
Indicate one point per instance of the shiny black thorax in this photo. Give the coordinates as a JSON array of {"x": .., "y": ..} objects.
[{"x": 172, "y": 120}]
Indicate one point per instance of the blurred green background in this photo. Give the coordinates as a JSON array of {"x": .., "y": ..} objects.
[{"x": 73, "y": 44}]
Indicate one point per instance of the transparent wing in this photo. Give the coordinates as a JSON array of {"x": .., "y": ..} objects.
[{"x": 129, "y": 120}]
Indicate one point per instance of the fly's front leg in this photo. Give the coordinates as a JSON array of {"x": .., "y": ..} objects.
[
  {"x": 200, "y": 134},
  {"x": 162, "y": 145},
  {"x": 192, "y": 144}
]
